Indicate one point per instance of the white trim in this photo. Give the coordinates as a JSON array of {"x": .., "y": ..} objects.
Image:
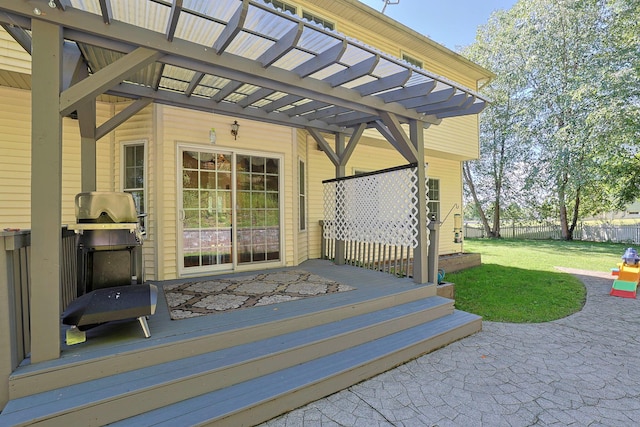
[
  {"x": 145, "y": 188},
  {"x": 306, "y": 195}
]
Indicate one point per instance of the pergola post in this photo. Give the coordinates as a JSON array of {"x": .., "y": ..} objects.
[
  {"x": 88, "y": 149},
  {"x": 340, "y": 173},
  {"x": 46, "y": 190},
  {"x": 420, "y": 266}
]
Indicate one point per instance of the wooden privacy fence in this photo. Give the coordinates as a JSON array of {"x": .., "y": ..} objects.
[
  {"x": 591, "y": 233},
  {"x": 15, "y": 288}
]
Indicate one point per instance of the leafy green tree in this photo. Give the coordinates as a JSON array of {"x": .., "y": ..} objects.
[
  {"x": 563, "y": 124},
  {"x": 490, "y": 181}
]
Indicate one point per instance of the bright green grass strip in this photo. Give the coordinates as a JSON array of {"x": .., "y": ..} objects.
[{"x": 518, "y": 281}]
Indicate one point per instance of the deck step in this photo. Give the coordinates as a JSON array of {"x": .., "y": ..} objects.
[
  {"x": 263, "y": 398},
  {"x": 146, "y": 390},
  {"x": 229, "y": 331}
]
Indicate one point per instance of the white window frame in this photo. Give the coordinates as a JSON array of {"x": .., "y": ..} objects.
[
  {"x": 302, "y": 195},
  {"x": 145, "y": 172}
]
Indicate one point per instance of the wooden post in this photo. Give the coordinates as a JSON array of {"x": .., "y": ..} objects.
[
  {"x": 340, "y": 173},
  {"x": 46, "y": 190},
  {"x": 420, "y": 266}
]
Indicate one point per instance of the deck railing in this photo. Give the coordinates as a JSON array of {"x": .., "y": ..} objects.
[
  {"x": 15, "y": 288},
  {"x": 396, "y": 260}
]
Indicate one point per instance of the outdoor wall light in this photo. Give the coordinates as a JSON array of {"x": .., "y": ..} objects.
[
  {"x": 457, "y": 228},
  {"x": 235, "y": 127}
]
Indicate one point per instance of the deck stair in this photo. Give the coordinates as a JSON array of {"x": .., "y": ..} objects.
[{"x": 245, "y": 381}]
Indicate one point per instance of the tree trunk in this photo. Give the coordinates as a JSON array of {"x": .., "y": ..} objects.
[{"x": 468, "y": 179}]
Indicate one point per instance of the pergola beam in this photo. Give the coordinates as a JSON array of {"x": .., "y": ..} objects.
[
  {"x": 282, "y": 46},
  {"x": 106, "y": 78},
  {"x": 324, "y": 146},
  {"x": 129, "y": 90},
  {"x": 122, "y": 117}
]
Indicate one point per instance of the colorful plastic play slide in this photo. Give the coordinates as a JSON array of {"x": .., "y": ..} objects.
[{"x": 628, "y": 272}]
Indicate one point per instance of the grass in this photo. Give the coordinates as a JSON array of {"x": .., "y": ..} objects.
[{"x": 518, "y": 282}]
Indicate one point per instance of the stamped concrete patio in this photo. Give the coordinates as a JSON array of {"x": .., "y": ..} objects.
[{"x": 582, "y": 370}]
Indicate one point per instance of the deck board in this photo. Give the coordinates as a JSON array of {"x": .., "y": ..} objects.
[{"x": 123, "y": 336}]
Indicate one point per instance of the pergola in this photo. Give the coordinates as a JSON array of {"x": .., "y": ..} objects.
[{"x": 241, "y": 58}]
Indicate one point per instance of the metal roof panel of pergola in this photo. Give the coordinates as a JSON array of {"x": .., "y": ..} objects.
[{"x": 246, "y": 59}]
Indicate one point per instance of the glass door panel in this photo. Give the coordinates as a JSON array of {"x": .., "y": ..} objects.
[
  {"x": 207, "y": 209},
  {"x": 258, "y": 209}
]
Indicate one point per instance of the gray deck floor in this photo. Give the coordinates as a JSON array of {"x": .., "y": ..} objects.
[{"x": 116, "y": 337}]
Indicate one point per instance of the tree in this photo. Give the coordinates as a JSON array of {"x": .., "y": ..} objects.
[
  {"x": 502, "y": 151},
  {"x": 557, "y": 99}
]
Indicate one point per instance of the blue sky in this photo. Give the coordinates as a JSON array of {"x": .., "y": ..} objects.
[{"x": 449, "y": 22}]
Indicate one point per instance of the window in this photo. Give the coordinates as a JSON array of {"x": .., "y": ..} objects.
[
  {"x": 280, "y": 5},
  {"x": 133, "y": 180},
  {"x": 302, "y": 195},
  {"x": 318, "y": 20},
  {"x": 434, "y": 198},
  {"x": 413, "y": 61}
]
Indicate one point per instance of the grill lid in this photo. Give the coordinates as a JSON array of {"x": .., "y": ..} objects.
[{"x": 105, "y": 206}]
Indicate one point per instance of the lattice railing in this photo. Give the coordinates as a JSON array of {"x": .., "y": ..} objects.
[{"x": 375, "y": 214}]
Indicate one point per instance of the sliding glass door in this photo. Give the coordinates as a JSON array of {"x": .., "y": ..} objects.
[{"x": 230, "y": 210}]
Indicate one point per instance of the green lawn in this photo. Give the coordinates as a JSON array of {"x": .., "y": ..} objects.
[{"x": 517, "y": 281}]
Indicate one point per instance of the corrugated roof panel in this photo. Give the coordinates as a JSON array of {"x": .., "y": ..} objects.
[
  {"x": 178, "y": 73},
  {"x": 214, "y": 81},
  {"x": 267, "y": 23},
  {"x": 328, "y": 71},
  {"x": 205, "y": 91},
  {"x": 387, "y": 68},
  {"x": 292, "y": 59},
  {"x": 353, "y": 55},
  {"x": 275, "y": 96},
  {"x": 91, "y": 6},
  {"x": 316, "y": 41},
  {"x": 98, "y": 58},
  {"x": 198, "y": 30},
  {"x": 235, "y": 97},
  {"x": 147, "y": 76},
  {"x": 219, "y": 9},
  {"x": 358, "y": 82},
  {"x": 173, "y": 84},
  {"x": 248, "y": 45},
  {"x": 146, "y": 14},
  {"x": 247, "y": 89}
]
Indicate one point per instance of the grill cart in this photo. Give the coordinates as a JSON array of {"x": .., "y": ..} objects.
[{"x": 110, "y": 272}]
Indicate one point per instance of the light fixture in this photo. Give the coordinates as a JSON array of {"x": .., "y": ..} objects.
[
  {"x": 212, "y": 135},
  {"x": 52, "y": 4},
  {"x": 457, "y": 228},
  {"x": 235, "y": 127}
]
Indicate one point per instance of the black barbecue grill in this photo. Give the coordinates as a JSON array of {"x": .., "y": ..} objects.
[
  {"x": 109, "y": 241},
  {"x": 110, "y": 271}
]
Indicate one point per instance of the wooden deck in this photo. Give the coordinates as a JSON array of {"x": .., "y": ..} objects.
[{"x": 241, "y": 367}]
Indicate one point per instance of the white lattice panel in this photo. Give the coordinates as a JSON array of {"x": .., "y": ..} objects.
[{"x": 377, "y": 208}]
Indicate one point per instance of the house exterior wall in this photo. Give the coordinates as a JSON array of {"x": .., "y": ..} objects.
[
  {"x": 182, "y": 127},
  {"x": 12, "y": 56},
  {"x": 15, "y": 160}
]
